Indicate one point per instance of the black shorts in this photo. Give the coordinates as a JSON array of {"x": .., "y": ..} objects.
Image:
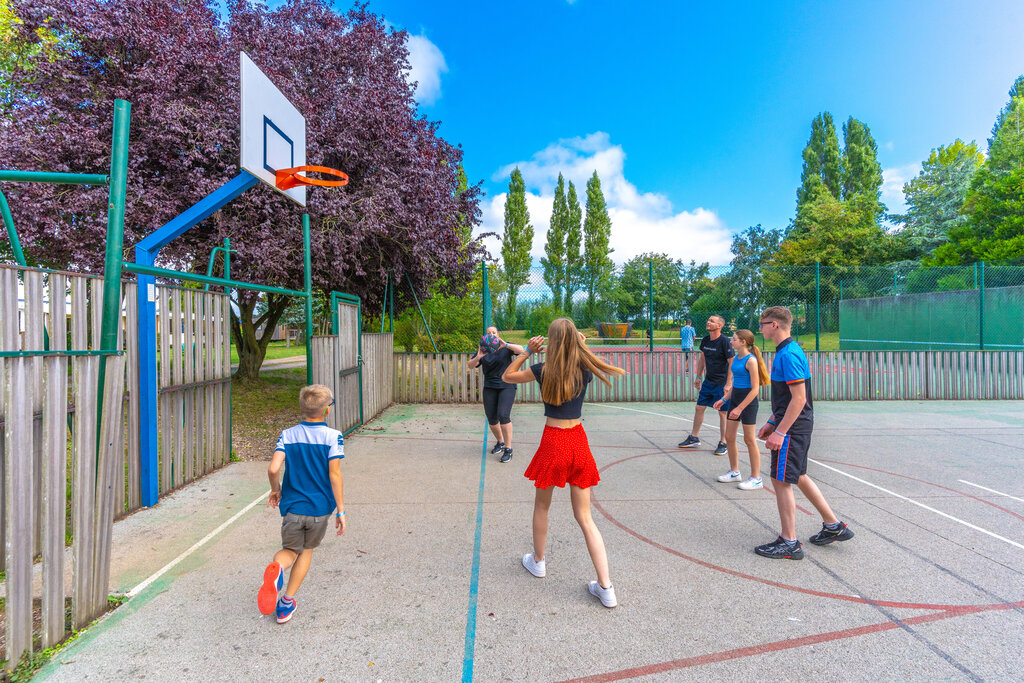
[
  {"x": 790, "y": 461},
  {"x": 710, "y": 393},
  {"x": 749, "y": 414},
  {"x": 498, "y": 404}
]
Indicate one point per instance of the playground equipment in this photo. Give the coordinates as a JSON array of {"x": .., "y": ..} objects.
[{"x": 272, "y": 151}]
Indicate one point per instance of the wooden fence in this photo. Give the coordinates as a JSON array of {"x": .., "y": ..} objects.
[
  {"x": 62, "y": 311},
  {"x": 332, "y": 355},
  {"x": 669, "y": 375},
  {"x": 38, "y": 451}
]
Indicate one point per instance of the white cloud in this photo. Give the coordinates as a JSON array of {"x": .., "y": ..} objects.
[
  {"x": 641, "y": 221},
  {"x": 893, "y": 180},
  {"x": 427, "y": 64}
]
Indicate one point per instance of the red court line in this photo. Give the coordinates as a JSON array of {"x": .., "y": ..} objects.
[
  {"x": 767, "y": 582},
  {"x": 788, "y": 644},
  {"x": 772, "y": 491},
  {"x": 922, "y": 481}
]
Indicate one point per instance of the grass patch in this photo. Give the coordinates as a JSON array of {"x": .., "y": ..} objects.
[
  {"x": 262, "y": 408},
  {"x": 31, "y": 662},
  {"x": 276, "y": 350}
]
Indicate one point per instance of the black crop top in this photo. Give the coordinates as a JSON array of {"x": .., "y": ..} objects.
[{"x": 571, "y": 409}]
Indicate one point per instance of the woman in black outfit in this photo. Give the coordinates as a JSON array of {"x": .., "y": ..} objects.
[{"x": 493, "y": 356}]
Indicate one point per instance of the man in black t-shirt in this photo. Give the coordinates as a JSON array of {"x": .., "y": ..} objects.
[{"x": 714, "y": 359}]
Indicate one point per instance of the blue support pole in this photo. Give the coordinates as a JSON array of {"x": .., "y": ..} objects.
[{"x": 145, "y": 254}]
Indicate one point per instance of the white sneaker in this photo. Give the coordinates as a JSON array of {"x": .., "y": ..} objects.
[
  {"x": 535, "y": 568},
  {"x": 605, "y": 595},
  {"x": 731, "y": 475},
  {"x": 751, "y": 484}
]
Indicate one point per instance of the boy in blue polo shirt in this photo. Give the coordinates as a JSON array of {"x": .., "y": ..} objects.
[
  {"x": 788, "y": 435},
  {"x": 312, "y": 489}
]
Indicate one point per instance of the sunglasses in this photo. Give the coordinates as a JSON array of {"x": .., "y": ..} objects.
[{"x": 331, "y": 403}]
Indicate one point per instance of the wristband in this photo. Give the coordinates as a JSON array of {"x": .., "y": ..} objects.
[
  {"x": 339, "y": 514},
  {"x": 773, "y": 424}
]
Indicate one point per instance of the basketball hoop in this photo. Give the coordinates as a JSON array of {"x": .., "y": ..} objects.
[{"x": 288, "y": 178}]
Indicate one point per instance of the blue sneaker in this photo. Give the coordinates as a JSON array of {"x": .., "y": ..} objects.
[
  {"x": 273, "y": 582},
  {"x": 285, "y": 609}
]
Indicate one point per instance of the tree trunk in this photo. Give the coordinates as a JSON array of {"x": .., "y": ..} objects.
[{"x": 251, "y": 346}]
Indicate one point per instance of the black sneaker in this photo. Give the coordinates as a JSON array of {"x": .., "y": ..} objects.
[
  {"x": 690, "y": 442},
  {"x": 507, "y": 455},
  {"x": 826, "y": 535},
  {"x": 498, "y": 448},
  {"x": 780, "y": 550},
  {"x": 722, "y": 449}
]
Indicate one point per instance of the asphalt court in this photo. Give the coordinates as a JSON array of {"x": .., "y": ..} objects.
[{"x": 427, "y": 584}]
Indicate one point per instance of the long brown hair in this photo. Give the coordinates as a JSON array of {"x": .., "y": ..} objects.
[
  {"x": 747, "y": 337},
  {"x": 567, "y": 356}
]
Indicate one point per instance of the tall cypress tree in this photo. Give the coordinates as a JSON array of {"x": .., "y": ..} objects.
[
  {"x": 1006, "y": 146},
  {"x": 597, "y": 230},
  {"x": 516, "y": 243},
  {"x": 573, "y": 243},
  {"x": 822, "y": 172},
  {"x": 554, "y": 248},
  {"x": 464, "y": 226},
  {"x": 862, "y": 174}
]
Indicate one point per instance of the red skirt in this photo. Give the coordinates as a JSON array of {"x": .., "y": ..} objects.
[{"x": 563, "y": 457}]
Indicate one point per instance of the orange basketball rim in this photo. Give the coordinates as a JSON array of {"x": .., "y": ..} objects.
[{"x": 287, "y": 178}]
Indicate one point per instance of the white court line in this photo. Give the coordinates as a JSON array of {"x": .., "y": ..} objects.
[
  {"x": 874, "y": 486},
  {"x": 921, "y": 505},
  {"x": 170, "y": 565},
  {"x": 985, "y": 488}
]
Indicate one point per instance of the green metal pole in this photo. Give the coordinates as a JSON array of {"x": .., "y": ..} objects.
[
  {"x": 422, "y": 317},
  {"x": 817, "y": 306},
  {"x": 975, "y": 275},
  {"x": 308, "y": 269},
  {"x": 650, "y": 301},
  {"x": 391, "y": 307},
  {"x": 67, "y": 178},
  {"x": 384, "y": 302},
  {"x": 486, "y": 299},
  {"x": 12, "y": 234},
  {"x": 227, "y": 290},
  {"x": 981, "y": 310},
  {"x": 193, "y": 277},
  {"x": 118, "y": 190}
]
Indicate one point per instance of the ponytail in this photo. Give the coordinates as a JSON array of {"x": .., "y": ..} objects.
[{"x": 747, "y": 337}]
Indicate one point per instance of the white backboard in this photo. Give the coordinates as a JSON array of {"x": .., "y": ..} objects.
[{"x": 273, "y": 130}]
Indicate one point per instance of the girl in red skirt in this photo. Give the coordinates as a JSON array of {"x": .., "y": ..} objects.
[{"x": 563, "y": 456}]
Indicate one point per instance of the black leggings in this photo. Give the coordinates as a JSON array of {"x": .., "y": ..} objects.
[{"x": 498, "y": 404}]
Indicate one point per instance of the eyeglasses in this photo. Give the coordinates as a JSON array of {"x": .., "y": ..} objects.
[
  {"x": 762, "y": 323},
  {"x": 331, "y": 403}
]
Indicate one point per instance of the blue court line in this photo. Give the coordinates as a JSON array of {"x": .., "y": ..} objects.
[{"x": 467, "y": 656}]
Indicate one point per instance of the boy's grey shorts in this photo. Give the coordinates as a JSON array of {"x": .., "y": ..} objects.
[{"x": 302, "y": 532}]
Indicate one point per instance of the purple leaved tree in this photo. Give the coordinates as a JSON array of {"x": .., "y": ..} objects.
[{"x": 177, "y": 63}]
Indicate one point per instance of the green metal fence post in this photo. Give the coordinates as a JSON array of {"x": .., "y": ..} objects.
[
  {"x": 486, "y": 299},
  {"x": 422, "y": 317},
  {"x": 650, "y": 302},
  {"x": 981, "y": 310},
  {"x": 817, "y": 306},
  {"x": 384, "y": 303},
  {"x": 12, "y": 234},
  {"x": 306, "y": 263},
  {"x": 227, "y": 290},
  {"x": 117, "y": 191},
  {"x": 391, "y": 307}
]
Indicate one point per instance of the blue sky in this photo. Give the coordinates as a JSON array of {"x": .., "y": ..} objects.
[{"x": 695, "y": 114}]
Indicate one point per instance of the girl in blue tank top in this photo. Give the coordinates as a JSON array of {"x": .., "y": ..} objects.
[{"x": 747, "y": 373}]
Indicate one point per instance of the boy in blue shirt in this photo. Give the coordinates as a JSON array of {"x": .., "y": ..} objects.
[
  {"x": 312, "y": 489},
  {"x": 687, "y": 334},
  {"x": 788, "y": 435}
]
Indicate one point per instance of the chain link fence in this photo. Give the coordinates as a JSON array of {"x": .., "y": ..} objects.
[{"x": 903, "y": 307}]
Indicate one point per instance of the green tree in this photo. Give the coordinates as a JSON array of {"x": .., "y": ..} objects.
[
  {"x": 516, "y": 242},
  {"x": 837, "y": 233},
  {"x": 822, "y": 161},
  {"x": 21, "y": 49},
  {"x": 597, "y": 229},
  {"x": 935, "y": 198},
  {"x": 632, "y": 288},
  {"x": 464, "y": 223},
  {"x": 994, "y": 206},
  {"x": 573, "y": 243},
  {"x": 554, "y": 249},
  {"x": 1006, "y": 146},
  {"x": 862, "y": 174},
  {"x": 752, "y": 250}
]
